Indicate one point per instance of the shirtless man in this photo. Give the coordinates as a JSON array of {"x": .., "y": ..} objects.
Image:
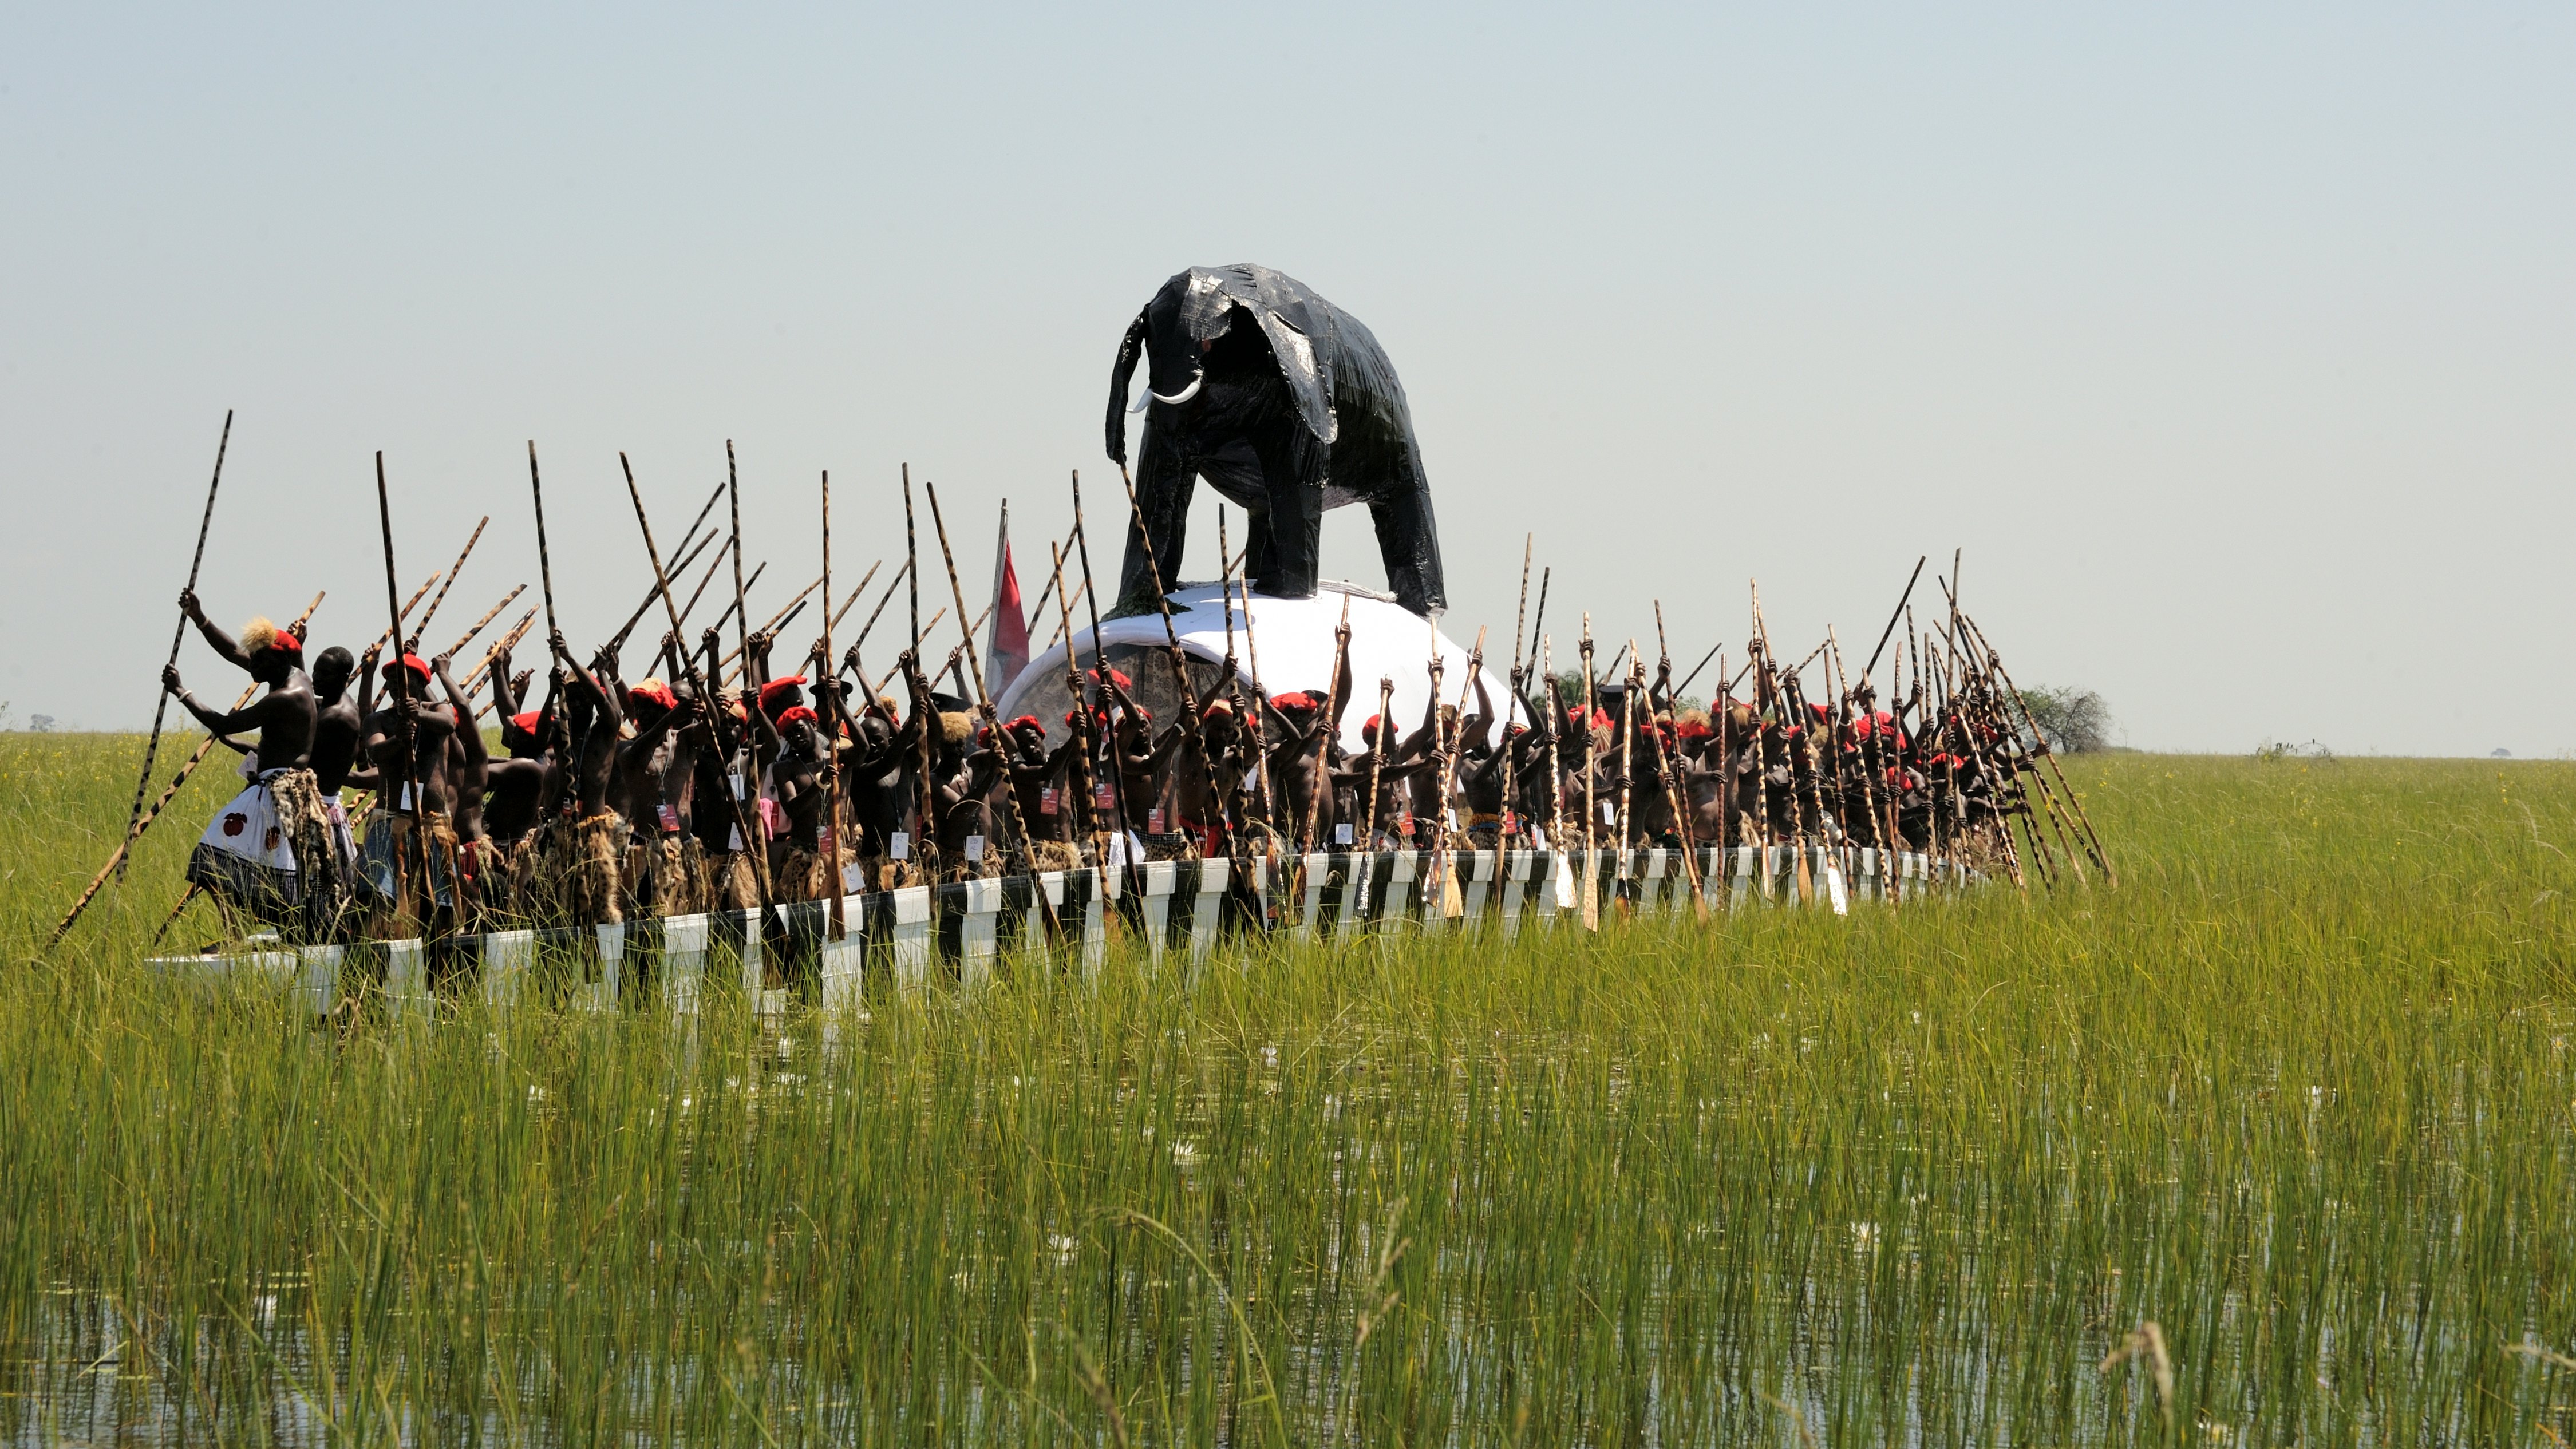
[
  {"x": 269, "y": 851},
  {"x": 799, "y": 780},
  {"x": 482, "y": 880},
  {"x": 1302, "y": 727},
  {"x": 591, "y": 876},
  {"x": 653, "y": 772},
  {"x": 721, "y": 770},
  {"x": 1208, "y": 800},
  {"x": 517, "y": 784},
  {"x": 406, "y": 865},
  {"x": 338, "y": 728}
]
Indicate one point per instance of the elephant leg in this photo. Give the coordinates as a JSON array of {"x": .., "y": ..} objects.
[
  {"x": 1256, "y": 543},
  {"x": 1292, "y": 469},
  {"x": 1408, "y": 539},
  {"x": 1164, "y": 482}
]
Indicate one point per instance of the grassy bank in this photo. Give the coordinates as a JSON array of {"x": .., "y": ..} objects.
[{"x": 2299, "y": 1093}]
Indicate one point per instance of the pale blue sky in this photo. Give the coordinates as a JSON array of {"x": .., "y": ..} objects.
[{"x": 2237, "y": 346}]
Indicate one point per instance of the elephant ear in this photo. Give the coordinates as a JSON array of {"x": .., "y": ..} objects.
[
  {"x": 1304, "y": 371},
  {"x": 1289, "y": 319}
]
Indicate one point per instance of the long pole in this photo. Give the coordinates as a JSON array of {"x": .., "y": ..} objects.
[
  {"x": 144, "y": 823},
  {"x": 1503, "y": 831},
  {"x": 1083, "y": 742},
  {"x": 411, "y": 766},
  {"x": 1668, "y": 750},
  {"x": 1100, "y": 663},
  {"x": 1628, "y": 738},
  {"x": 698, "y": 687},
  {"x": 1377, "y": 759},
  {"x": 856, "y": 590},
  {"x": 178, "y": 634},
  {"x": 742, "y": 616},
  {"x": 1251, "y": 711},
  {"x": 923, "y": 826},
  {"x": 1190, "y": 723},
  {"x": 1591, "y": 783},
  {"x": 1555, "y": 723},
  {"x": 731, "y": 609},
  {"x": 1696, "y": 668},
  {"x": 422, "y": 627},
  {"x": 485, "y": 622},
  {"x": 1320, "y": 775},
  {"x": 1452, "y": 737},
  {"x": 1997, "y": 661},
  {"x": 828, "y": 683},
  {"x": 1017, "y": 840},
  {"x": 688, "y": 555},
  {"x": 546, "y": 580},
  {"x": 1892, "y": 619}
]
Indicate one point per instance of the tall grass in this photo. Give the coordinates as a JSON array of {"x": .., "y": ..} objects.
[{"x": 2299, "y": 1093}]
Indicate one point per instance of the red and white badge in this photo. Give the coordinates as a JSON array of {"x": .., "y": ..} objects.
[
  {"x": 670, "y": 820},
  {"x": 1047, "y": 801}
]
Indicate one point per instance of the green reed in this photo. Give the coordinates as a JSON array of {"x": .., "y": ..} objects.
[{"x": 2298, "y": 1092}]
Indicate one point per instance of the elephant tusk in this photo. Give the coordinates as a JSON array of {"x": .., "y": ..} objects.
[{"x": 1184, "y": 395}]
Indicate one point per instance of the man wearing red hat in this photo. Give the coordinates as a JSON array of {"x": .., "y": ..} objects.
[
  {"x": 268, "y": 852},
  {"x": 664, "y": 870},
  {"x": 408, "y": 849},
  {"x": 520, "y": 786}
]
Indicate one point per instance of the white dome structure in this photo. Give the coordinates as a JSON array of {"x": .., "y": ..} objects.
[{"x": 1291, "y": 640}]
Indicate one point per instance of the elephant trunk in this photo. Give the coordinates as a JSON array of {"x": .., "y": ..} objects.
[{"x": 1121, "y": 373}]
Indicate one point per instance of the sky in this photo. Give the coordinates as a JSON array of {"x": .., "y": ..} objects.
[{"x": 2234, "y": 345}]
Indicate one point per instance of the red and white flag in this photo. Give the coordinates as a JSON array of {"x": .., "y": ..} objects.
[{"x": 1008, "y": 652}]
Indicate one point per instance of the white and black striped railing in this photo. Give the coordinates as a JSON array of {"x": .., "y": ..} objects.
[{"x": 1178, "y": 910}]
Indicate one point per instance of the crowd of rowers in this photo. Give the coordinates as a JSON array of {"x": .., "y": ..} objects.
[{"x": 615, "y": 798}]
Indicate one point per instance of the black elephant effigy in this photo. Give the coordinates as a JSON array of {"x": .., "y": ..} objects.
[{"x": 1287, "y": 405}]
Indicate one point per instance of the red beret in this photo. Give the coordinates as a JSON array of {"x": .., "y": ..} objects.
[
  {"x": 285, "y": 643},
  {"x": 656, "y": 691},
  {"x": 412, "y": 662},
  {"x": 796, "y": 712},
  {"x": 778, "y": 689},
  {"x": 1031, "y": 720},
  {"x": 527, "y": 723},
  {"x": 1692, "y": 729},
  {"x": 1217, "y": 707},
  {"x": 1293, "y": 700},
  {"x": 1115, "y": 677}
]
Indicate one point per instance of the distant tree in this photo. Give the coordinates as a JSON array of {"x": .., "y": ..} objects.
[
  {"x": 40, "y": 722},
  {"x": 2073, "y": 721}
]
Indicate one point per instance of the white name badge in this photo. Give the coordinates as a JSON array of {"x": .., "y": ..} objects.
[
  {"x": 1342, "y": 833},
  {"x": 974, "y": 847},
  {"x": 853, "y": 879},
  {"x": 899, "y": 845},
  {"x": 737, "y": 784},
  {"x": 406, "y": 798}
]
